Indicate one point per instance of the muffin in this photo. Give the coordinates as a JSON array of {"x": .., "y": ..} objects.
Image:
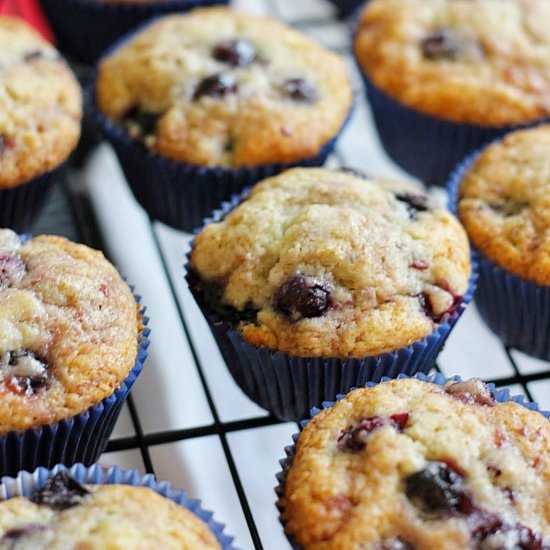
[
  {"x": 325, "y": 264},
  {"x": 86, "y": 28},
  {"x": 453, "y": 80},
  {"x": 199, "y": 105},
  {"x": 414, "y": 464},
  {"x": 502, "y": 200},
  {"x": 72, "y": 342},
  {"x": 96, "y": 508},
  {"x": 40, "y": 112}
]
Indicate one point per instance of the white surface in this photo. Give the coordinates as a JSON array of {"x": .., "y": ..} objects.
[
  {"x": 169, "y": 394},
  {"x": 199, "y": 465},
  {"x": 130, "y": 243}
]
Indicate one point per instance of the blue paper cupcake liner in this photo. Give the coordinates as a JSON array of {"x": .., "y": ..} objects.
[
  {"x": 26, "y": 483},
  {"x": 517, "y": 310},
  {"x": 85, "y": 28},
  {"x": 425, "y": 146},
  {"x": 81, "y": 438},
  {"x": 347, "y": 7},
  {"x": 502, "y": 396},
  {"x": 182, "y": 195},
  {"x": 21, "y": 205},
  {"x": 288, "y": 385}
]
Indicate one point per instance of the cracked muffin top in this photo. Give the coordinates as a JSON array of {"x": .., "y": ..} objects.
[
  {"x": 325, "y": 263},
  {"x": 220, "y": 88},
  {"x": 413, "y": 465},
  {"x": 40, "y": 105},
  {"x": 504, "y": 203},
  {"x": 68, "y": 330},
  {"x": 65, "y": 514},
  {"x": 481, "y": 62}
]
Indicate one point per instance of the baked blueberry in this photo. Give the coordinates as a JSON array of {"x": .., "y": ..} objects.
[
  {"x": 141, "y": 123},
  {"x": 60, "y": 492},
  {"x": 472, "y": 391},
  {"x": 12, "y": 269},
  {"x": 23, "y": 535},
  {"x": 415, "y": 203},
  {"x": 510, "y": 207},
  {"x": 34, "y": 54},
  {"x": 236, "y": 52},
  {"x": 488, "y": 532},
  {"x": 6, "y": 142},
  {"x": 216, "y": 86},
  {"x": 420, "y": 264},
  {"x": 23, "y": 372},
  {"x": 437, "y": 488},
  {"x": 441, "y": 44},
  {"x": 355, "y": 438},
  {"x": 438, "y": 302},
  {"x": 300, "y": 89},
  {"x": 302, "y": 297}
]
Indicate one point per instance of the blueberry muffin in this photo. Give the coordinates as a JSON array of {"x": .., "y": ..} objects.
[
  {"x": 484, "y": 62},
  {"x": 504, "y": 205},
  {"x": 325, "y": 263},
  {"x": 220, "y": 88},
  {"x": 65, "y": 514},
  {"x": 40, "y": 105},
  {"x": 68, "y": 330},
  {"x": 410, "y": 464}
]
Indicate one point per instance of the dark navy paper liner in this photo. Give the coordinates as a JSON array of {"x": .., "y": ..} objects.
[
  {"x": 20, "y": 206},
  {"x": 85, "y": 28},
  {"x": 502, "y": 396},
  {"x": 288, "y": 385},
  {"x": 25, "y": 483},
  {"x": 347, "y": 7},
  {"x": 425, "y": 146},
  {"x": 81, "y": 438},
  {"x": 517, "y": 310},
  {"x": 182, "y": 195}
]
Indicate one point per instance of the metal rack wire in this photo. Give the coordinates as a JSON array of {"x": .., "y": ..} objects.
[{"x": 471, "y": 348}]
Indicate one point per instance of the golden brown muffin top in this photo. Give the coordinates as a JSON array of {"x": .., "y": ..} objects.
[
  {"x": 325, "y": 263},
  {"x": 68, "y": 330},
  {"x": 217, "y": 87},
  {"x": 95, "y": 517},
  {"x": 482, "y": 62},
  {"x": 504, "y": 203},
  {"x": 410, "y": 464},
  {"x": 40, "y": 105}
]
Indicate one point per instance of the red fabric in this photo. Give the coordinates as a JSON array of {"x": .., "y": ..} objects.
[{"x": 29, "y": 10}]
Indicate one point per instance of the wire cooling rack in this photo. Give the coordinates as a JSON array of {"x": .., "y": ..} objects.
[{"x": 186, "y": 420}]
